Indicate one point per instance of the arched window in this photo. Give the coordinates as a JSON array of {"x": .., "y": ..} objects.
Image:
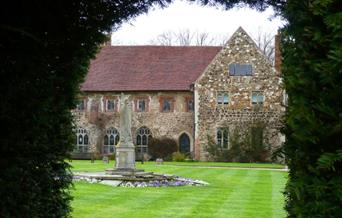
[
  {"x": 184, "y": 143},
  {"x": 110, "y": 140},
  {"x": 143, "y": 136},
  {"x": 82, "y": 140}
]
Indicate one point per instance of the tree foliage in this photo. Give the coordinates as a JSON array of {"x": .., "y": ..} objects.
[
  {"x": 45, "y": 51},
  {"x": 46, "y": 47},
  {"x": 312, "y": 67},
  {"x": 312, "y": 70}
]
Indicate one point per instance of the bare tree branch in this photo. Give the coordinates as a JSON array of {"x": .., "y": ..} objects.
[
  {"x": 264, "y": 40},
  {"x": 185, "y": 37}
]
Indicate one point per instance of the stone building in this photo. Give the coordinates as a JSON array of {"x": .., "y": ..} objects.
[{"x": 181, "y": 92}]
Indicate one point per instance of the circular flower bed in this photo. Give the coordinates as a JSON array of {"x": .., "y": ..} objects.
[{"x": 146, "y": 180}]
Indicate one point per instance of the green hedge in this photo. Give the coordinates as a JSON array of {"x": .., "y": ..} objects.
[
  {"x": 312, "y": 67},
  {"x": 45, "y": 50}
]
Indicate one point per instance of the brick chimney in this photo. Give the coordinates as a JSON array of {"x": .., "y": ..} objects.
[{"x": 277, "y": 52}]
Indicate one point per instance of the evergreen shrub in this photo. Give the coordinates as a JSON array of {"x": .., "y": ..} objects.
[
  {"x": 178, "y": 157},
  {"x": 162, "y": 148}
]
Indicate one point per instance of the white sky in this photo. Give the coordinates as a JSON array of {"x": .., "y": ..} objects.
[{"x": 182, "y": 15}]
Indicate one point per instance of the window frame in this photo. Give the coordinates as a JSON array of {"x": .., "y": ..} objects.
[
  {"x": 142, "y": 134},
  {"x": 224, "y": 131},
  {"x": 110, "y": 147},
  {"x": 140, "y": 103},
  {"x": 232, "y": 68},
  {"x": 82, "y": 133},
  {"x": 187, "y": 100},
  {"x": 137, "y": 101},
  {"x": 222, "y": 94},
  {"x": 106, "y": 103},
  {"x": 257, "y": 102},
  {"x": 162, "y": 101}
]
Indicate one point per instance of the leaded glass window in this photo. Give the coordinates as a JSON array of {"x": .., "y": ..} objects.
[
  {"x": 222, "y": 98},
  {"x": 82, "y": 142},
  {"x": 111, "y": 139},
  {"x": 222, "y": 137},
  {"x": 257, "y": 98},
  {"x": 143, "y": 137}
]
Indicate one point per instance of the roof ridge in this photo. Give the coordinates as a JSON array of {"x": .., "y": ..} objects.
[
  {"x": 144, "y": 67},
  {"x": 169, "y": 46}
]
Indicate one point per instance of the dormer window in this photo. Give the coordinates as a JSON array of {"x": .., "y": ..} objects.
[{"x": 240, "y": 69}]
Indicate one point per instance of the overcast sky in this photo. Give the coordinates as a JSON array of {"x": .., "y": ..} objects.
[{"x": 182, "y": 15}]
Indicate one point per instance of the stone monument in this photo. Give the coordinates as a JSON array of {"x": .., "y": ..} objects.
[
  {"x": 124, "y": 173},
  {"x": 125, "y": 151}
]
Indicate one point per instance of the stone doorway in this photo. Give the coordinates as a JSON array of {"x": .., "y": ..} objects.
[{"x": 184, "y": 143}]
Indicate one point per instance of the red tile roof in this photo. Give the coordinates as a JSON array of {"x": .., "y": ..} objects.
[{"x": 147, "y": 68}]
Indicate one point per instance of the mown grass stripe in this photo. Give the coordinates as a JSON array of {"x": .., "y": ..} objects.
[
  {"x": 231, "y": 193},
  {"x": 278, "y": 199},
  {"x": 213, "y": 198},
  {"x": 234, "y": 203},
  {"x": 261, "y": 191},
  {"x": 102, "y": 199}
]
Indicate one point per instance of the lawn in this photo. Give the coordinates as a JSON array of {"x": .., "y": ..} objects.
[{"x": 232, "y": 193}]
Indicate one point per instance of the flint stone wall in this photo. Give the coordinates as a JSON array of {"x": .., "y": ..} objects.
[
  {"x": 239, "y": 113},
  {"x": 161, "y": 124}
]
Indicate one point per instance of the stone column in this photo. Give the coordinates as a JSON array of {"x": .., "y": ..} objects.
[{"x": 125, "y": 151}]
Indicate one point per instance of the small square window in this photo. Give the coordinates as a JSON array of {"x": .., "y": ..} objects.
[
  {"x": 166, "y": 105},
  {"x": 141, "y": 105},
  {"x": 222, "y": 98},
  {"x": 190, "y": 105},
  {"x": 110, "y": 105},
  {"x": 257, "y": 98},
  {"x": 240, "y": 70}
]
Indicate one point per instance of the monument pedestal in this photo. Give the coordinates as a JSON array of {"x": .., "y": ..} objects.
[
  {"x": 125, "y": 161},
  {"x": 125, "y": 157}
]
